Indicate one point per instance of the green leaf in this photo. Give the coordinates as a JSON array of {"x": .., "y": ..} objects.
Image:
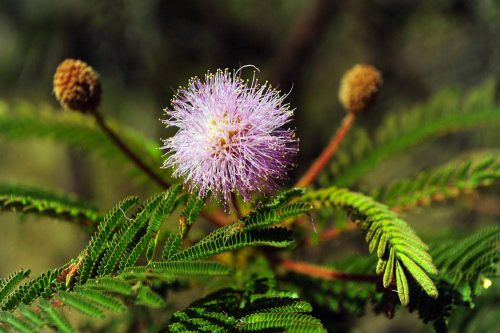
[
  {"x": 264, "y": 217},
  {"x": 164, "y": 209},
  {"x": 172, "y": 246},
  {"x": 16, "y": 323},
  {"x": 257, "y": 307},
  {"x": 443, "y": 183},
  {"x": 420, "y": 276},
  {"x": 22, "y": 199},
  {"x": 121, "y": 240},
  {"x": 31, "y": 316},
  {"x": 9, "y": 283},
  {"x": 459, "y": 284},
  {"x": 99, "y": 242},
  {"x": 384, "y": 230},
  {"x": 288, "y": 322},
  {"x": 111, "y": 285},
  {"x": 80, "y": 304},
  {"x": 100, "y": 298},
  {"x": 233, "y": 240},
  {"x": 54, "y": 318},
  {"x": 190, "y": 268},
  {"x": 145, "y": 296},
  {"x": 193, "y": 208},
  {"x": 402, "y": 285}
]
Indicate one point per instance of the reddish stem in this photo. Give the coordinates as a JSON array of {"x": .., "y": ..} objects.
[
  {"x": 325, "y": 273},
  {"x": 216, "y": 217},
  {"x": 485, "y": 204},
  {"x": 333, "y": 232},
  {"x": 328, "y": 152}
]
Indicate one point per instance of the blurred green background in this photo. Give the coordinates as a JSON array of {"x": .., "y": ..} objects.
[{"x": 144, "y": 50}]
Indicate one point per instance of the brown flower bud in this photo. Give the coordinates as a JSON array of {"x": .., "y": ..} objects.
[
  {"x": 359, "y": 87},
  {"x": 77, "y": 86}
]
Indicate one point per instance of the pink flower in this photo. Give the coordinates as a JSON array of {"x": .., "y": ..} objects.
[{"x": 231, "y": 136}]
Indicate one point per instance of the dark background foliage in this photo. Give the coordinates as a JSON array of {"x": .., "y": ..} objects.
[{"x": 144, "y": 50}]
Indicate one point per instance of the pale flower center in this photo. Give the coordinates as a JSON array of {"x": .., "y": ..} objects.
[{"x": 225, "y": 136}]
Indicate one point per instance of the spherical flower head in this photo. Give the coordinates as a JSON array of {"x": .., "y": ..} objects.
[
  {"x": 359, "y": 87},
  {"x": 231, "y": 136},
  {"x": 77, "y": 86}
]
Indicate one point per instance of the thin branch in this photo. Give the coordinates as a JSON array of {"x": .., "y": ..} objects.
[
  {"x": 325, "y": 273},
  {"x": 332, "y": 232},
  {"x": 234, "y": 203},
  {"x": 328, "y": 152},
  {"x": 128, "y": 152},
  {"x": 484, "y": 204},
  {"x": 216, "y": 217}
]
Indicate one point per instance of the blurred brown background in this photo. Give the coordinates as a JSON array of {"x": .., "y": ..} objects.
[{"x": 144, "y": 50}]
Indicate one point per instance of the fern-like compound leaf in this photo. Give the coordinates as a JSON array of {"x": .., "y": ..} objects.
[
  {"x": 186, "y": 268},
  {"x": 54, "y": 318},
  {"x": 264, "y": 217},
  {"x": 31, "y": 200},
  {"x": 30, "y": 315},
  {"x": 402, "y": 285},
  {"x": 388, "y": 235},
  {"x": 18, "y": 324},
  {"x": 190, "y": 213},
  {"x": 9, "y": 283},
  {"x": 109, "y": 284},
  {"x": 287, "y": 322},
  {"x": 147, "y": 297},
  {"x": 80, "y": 304},
  {"x": 172, "y": 246},
  {"x": 465, "y": 261},
  {"x": 440, "y": 184},
  {"x": 463, "y": 265},
  {"x": 99, "y": 242},
  {"x": 148, "y": 241},
  {"x": 276, "y": 237},
  {"x": 91, "y": 283},
  {"x": 258, "y": 307},
  {"x": 284, "y": 197},
  {"x": 125, "y": 236},
  {"x": 130, "y": 257},
  {"x": 165, "y": 208},
  {"x": 102, "y": 298}
]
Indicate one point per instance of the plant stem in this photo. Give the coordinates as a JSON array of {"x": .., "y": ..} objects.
[
  {"x": 128, "y": 152},
  {"x": 234, "y": 203},
  {"x": 325, "y": 273},
  {"x": 216, "y": 217},
  {"x": 328, "y": 152},
  {"x": 484, "y": 204},
  {"x": 333, "y": 232}
]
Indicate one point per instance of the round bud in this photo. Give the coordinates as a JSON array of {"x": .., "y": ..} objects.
[
  {"x": 359, "y": 87},
  {"x": 77, "y": 86}
]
